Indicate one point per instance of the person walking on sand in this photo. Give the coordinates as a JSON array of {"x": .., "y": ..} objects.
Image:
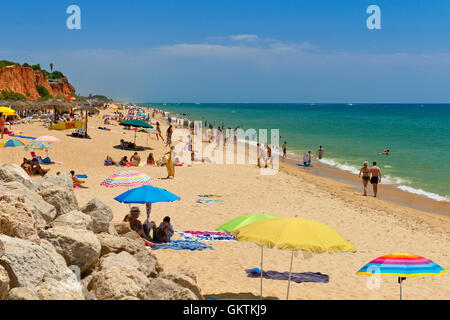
[
  {"x": 375, "y": 179},
  {"x": 365, "y": 172},
  {"x": 285, "y": 150},
  {"x": 320, "y": 153},
  {"x": 159, "y": 135}
]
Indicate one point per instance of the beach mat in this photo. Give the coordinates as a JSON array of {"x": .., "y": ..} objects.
[
  {"x": 295, "y": 277},
  {"x": 81, "y": 176},
  {"x": 182, "y": 245},
  {"x": 210, "y": 201},
  {"x": 206, "y": 235},
  {"x": 24, "y": 137},
  {"x": 209, "y": 196}
]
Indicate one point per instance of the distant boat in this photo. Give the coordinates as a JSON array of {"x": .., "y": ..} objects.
[
  {"x": 197, "y": 103},
  {"x": 350, "y": 104}
]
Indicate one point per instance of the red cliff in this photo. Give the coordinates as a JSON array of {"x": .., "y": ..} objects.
[{"x": 23, "y": 80}]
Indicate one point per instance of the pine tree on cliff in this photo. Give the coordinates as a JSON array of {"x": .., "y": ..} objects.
[{"x": 51, "y": 67}]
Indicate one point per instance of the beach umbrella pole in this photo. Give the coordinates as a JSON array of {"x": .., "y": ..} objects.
[
  {"x": 262, "y": 255},
  {"x": 400, "y": 280},
  {"x": 290, "y": 273}
]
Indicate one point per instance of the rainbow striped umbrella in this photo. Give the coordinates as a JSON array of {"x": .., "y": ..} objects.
[
  {"x": 127, "y": 179},
  {"x": 401, "y": 265},
  {"x": 12, "y": 143}
]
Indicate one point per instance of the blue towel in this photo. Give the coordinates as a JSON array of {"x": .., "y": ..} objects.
[
  {"x": 81, "y": 176},
  {"x": 24, "y": 137},
  {"x": 183, "y": 245},
  {"x": 295, "y": 277},
  {"x": 47, "y": 161}
]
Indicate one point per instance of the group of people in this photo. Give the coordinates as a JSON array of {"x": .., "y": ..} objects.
[
  {"x": 265, "y": 154},
  {"x": 135, "y": 161},
  {"x": 370, "y": 174},
  {"x": 163, "y": 233},
  {"x": 32, "y": 168}
]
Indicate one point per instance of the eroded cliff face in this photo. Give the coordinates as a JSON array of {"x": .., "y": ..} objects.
[{"x": 23, "y": 80}]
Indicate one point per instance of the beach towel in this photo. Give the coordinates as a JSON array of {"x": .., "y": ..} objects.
[
  {"x": 81, "y": 176},
  {"x": 209, "y": 196},
  {"x": 210, "y": 201},
  {"x": 47, "y": 161},
  {"x": 24, "y": 137},
  {"x": 206, "y": 235},
  {"x": 182, "y": 245},
  {"x": 295, "y": 277}
]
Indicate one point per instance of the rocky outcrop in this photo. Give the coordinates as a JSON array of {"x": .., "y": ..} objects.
[
  {"x": 59, "y": 290},
  {"x": 165, "y": 289},
  {"x": 122, "y": 259},
  {"x": 43, "y": 212},
  {"x": 28, "y": 264},
  {"x": 122, "y": 227},
  {"x": 4, "y": 283},
  {"x": 183, "y": 281},
  {"x": 116, "y": 283},
  {"x": 78, "y": 247},
  {"x": 59, "y": 259},
  {"x": 13, "y": 172},
  {"x": 64, "y": 180},
  {"x": 23, "y": 80},
  {"x": 75, "y": 220},
  {"x": 16, "y": 220},
  {"x": 115, "y": 244},
  {"x": 63, "y": 199},
  {"x": 101, "y": 214},
  {"x": 21, "y": 294},
  {"x": 148, "y": 264}
]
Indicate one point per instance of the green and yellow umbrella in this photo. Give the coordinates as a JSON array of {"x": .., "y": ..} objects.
[
  {"x": 12, "y": 143},
  {"x": 242, "y": 221},
  {"x": 295, "y": 234}
]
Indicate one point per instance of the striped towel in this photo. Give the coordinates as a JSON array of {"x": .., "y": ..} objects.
[{"x": 210, "y": 201}]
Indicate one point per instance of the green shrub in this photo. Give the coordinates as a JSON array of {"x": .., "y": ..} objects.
[
  {"x": 36, "y": 67},
  {"x": 26, "y": 65},
  {"x": 43, "y": 91},
  {"x": 55, "y": 75},
  {"x": 6, "y": 63},
  {"x": 11, "y": 95}
]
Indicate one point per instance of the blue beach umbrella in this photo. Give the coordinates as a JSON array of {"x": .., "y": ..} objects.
[{"x": 147, "y": 194}]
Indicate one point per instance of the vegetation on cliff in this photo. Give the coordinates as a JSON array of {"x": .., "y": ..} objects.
[{"x": 51, "y": 76}]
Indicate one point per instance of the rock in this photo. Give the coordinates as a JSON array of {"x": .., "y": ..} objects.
[
  {"x": 101, "y": 214},
  {"x": 13, "y": 172},
  {"x": 114, "y": 244},
  {"x": 4, "y": 283},
  {"x": 132, "y": 235},
  {"x": 164, "y": 289},
  {"x": 43, "y": 212},
  {"x": 183, "y": 281},
  {"x": 78, "y": 247},
  {"x": 64, "y": 180},
  {"x": 21, "y": 294},
  {"x": 184, "y": 271},
  {"x": 122, "y": 227},
  {"x": 116, "y": 283},
  {"x": 63, "y": 199},
  {"x": 148, "y": 264},
  {"x": 16, "y": 220},
  {"x": 53, "y": 253},
  {"x": 88, "y": 295},
  {"x": 75, "y": 220},
  {"x": 112, "y": 230},
  {"x": 59, "y": 290},
  {"x": 122, "y": 259},
  {"x": 129, "y": 298},
  {"x": 28, "y": 264}
]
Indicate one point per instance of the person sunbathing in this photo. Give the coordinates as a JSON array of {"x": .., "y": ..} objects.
[
  {"x": 109, "y": 161},
  {"x": 135, "y": 159},
  {"x": 26, "y": 166},
  {"x": 76, "y": 182},
  {"x": 36, "y": 169},
  {"x": 124, "y": 161},
  {"x": 150, "y": 160},
  {"x": 135, "y": 223}
]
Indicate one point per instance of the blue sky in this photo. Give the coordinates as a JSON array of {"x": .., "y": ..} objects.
[{"x": 238, "y": 51}]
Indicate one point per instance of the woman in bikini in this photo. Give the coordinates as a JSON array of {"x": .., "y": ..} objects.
[{"x": 365, "y": 172}]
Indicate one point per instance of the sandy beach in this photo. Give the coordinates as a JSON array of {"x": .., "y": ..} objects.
[{"x": 374, "y": 226}]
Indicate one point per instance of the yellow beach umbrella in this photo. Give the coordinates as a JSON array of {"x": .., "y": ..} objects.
[
  {"x": 293, "y": 234},
  {"x": 8, "y": 112}
]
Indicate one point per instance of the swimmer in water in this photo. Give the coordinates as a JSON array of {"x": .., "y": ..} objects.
[{"x": 386, "y": 152}]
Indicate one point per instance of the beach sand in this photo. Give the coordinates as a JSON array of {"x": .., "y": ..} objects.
[{"x": 376, "y": 227}]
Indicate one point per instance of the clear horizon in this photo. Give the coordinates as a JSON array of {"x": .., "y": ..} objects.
[{"x": 238, "y": 50}]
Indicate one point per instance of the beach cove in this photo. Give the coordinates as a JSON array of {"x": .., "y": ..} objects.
[{"x": 376, "y": 227}]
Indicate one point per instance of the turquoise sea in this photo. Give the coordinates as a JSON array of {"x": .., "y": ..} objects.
[{"x": 417, "y": 135}]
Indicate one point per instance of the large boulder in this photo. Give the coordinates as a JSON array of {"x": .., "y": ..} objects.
[
  {"x": 183, "y": 281},
  {"x": 59, "y": 290},
  {"x": 122, "y": 259},
  {"x": 13, "y": 172},
  {"x": 53, "y": 253},
  {"x": 43, "y": 211},
  {"x": 164, "y": 289},
  {"x": 63, "y": 180},
  {"x": 74, "y": 219},
  {"x": 115, "y": 283},
  {"x": 21, "y": 293},
  {"x": 122, "y": 227},
  {"x": 112, "y": 230},
  {"x": 4, "y": 283},
  {"x": 16, "y": 220},
  {"x": 78, "y": 247},
  {"x": 115, "y": 244},
  {"x": 28, "y": 264},
  {"x": 63, "y": 199},
  {"x": 101, "y": 214},
  {"x": 148, "y": 264}
]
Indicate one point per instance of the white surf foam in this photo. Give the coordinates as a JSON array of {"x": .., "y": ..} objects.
[{"x": 421, "y": 192}]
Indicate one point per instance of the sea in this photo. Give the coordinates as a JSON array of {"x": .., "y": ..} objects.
[{"x": 418, "y": 136}]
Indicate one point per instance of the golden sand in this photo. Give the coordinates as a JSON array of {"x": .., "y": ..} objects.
[{"x": 376, "y": 227}]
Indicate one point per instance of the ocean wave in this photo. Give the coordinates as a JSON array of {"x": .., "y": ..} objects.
[
  {"x": 421, "y": 192},
  {"x": 343, "y": 166}
]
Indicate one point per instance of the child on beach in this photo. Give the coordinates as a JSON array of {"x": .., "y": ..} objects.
[{"x": 164, "y": 232}]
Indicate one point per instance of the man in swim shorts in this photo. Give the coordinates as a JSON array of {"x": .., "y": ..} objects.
[{"x": 375, "y": 179}]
